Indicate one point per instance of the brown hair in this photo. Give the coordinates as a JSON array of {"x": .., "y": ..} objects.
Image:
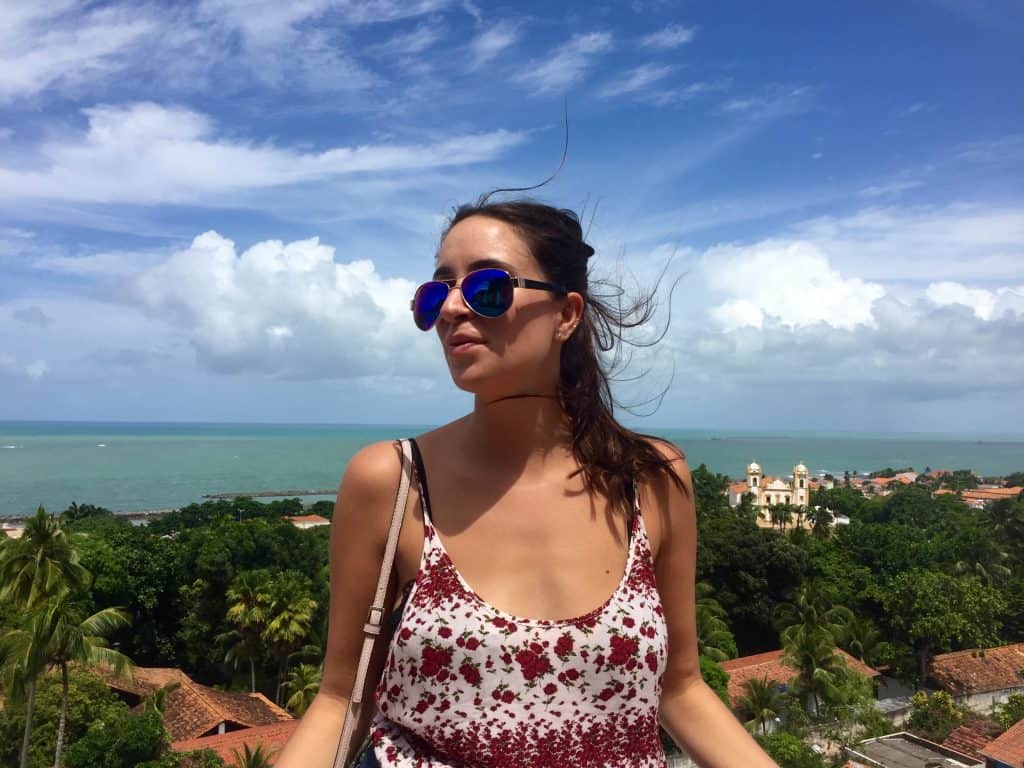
[{"x": 609, "y": 454}]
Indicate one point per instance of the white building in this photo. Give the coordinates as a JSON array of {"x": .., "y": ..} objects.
[{"x": 769, "y": 491}]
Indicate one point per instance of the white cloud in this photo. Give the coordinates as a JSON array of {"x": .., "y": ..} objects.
[
  {"x": 669, "y": 37},
  {"x": 12, "y": 366},
  {"x": 790, "y": 281},
  {"x": 36, "y": 369},
  {"x": 271, "y": 22},
  {"x": 890, "y": 189},
  {"x": 987, "y": 305},
  {"x": 634, "y": 80},
  {"x": 287, "y": 310},
  {"x": 565, "y": 65},
  {"x": 492, "y": 41},
  {"x": 32, "y": 315},
  {"x": 148, "y": 153},
  {"x": 50, "y": 43},
  {"x": 104, "y": 264},
  {"x": 416, "y": 41},
  {"x": 962, "y": 242}
]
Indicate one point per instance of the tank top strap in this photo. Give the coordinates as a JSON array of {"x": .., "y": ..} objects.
[{"x": 421, "y": 478}]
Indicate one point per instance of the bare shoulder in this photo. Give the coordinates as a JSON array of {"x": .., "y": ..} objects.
[{"x": 660, "y": 495}]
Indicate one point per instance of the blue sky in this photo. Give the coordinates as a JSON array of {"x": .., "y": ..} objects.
[{"x": 217, "y": 210}]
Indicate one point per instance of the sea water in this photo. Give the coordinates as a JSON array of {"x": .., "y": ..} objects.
[{"x": 129, "y": 466}]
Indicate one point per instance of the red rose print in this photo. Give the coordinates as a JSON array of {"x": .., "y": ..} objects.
[
  {"x": 564, "y": 645},
  {"x": 532, "y": 664},
  {"x": 550, "y": 688},
  {"x": 445, "y": 632},
  {"x": 628, "y": 621}
]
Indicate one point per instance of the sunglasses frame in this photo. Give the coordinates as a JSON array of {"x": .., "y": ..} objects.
[{"x": 517, "y": 282}]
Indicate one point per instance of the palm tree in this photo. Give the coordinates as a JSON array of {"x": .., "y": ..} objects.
[
  {"x": 762, "y": 701},
  {"x": 249, "y": 608},
  {"x": 256, "y": 758},
  {"x": 303, "y": 684},
  {"x": 289, "y": 619},
  {"x": 861, "y": 639},
  {"x": 40, "y": 563},
  {"x": 83, "y": 641},
  {"x": 813, "y": 611},
  {"x": 714, "y": 639},
  {"x": 22, "y": 661},
  {"x": 57, "y": 634},
  {"x": 819, "y": 667},
  {"x": 821, "y": 520}
]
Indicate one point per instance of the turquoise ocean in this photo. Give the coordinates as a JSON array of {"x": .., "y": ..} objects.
[{"x": 127, "y": 466}]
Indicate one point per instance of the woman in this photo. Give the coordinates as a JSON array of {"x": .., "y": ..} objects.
[{"x": 506, "y": 649}]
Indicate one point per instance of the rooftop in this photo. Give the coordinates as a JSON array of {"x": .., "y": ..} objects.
[
  {"x": 1008, "y": 748},
  {"x": 273, "y": 737},
  {"x": 975, "y": 670},
  {"x": 904, "y": 750},
  {"x": 193, "y": 709},
  {"x": 770, "y": 665}
]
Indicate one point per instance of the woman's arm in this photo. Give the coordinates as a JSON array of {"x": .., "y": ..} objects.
[
  {"x": 359, "y": 531},
  {"x": 696, "y": 719}
]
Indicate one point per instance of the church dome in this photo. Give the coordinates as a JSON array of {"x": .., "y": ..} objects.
[
  {"x": 753, "y": 467},
  {"x": 801, "y": 467}
]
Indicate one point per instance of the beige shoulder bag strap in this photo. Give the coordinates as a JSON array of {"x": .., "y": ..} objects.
[{"x": 375, "y": 616}]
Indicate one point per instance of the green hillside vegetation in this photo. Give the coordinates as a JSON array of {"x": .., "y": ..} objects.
[{"x": 236, "y": 596}]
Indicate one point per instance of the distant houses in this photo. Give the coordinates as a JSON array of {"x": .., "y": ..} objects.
[
  {"x": 196, "y": 715},
  {"x": 308, "y": 521},
  {"x": 980, "y": 677}
]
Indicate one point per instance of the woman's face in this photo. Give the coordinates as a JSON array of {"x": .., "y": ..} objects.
[{"x": 518, "y": 352}]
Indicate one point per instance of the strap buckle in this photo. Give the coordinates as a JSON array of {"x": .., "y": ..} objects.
[{"x": 373, "y": 623}]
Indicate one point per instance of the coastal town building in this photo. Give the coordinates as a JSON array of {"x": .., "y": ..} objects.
[
  {"x": 769, "y": 491},
  {"x": 1006, "y": 751},
  {"x": 271, "y": 737},
  {"x": 308, "y": 521},
  {"x": 905, "y": 750},
  {"x": 770, "y": 665},
  {"x": 193, "y": 710},
  {"x": 980, "y": 677}
]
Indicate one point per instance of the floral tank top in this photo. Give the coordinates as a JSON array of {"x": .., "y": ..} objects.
[{"x": 465, "y": 684}]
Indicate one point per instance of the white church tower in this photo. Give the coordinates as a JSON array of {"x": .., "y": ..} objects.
[
  {"x": 801, "y": 491},
  {"x": 754, "y": 481}
]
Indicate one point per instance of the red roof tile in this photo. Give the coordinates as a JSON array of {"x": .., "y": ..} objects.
[
  {"x": 1008, "y": 748},
  {"x": 193, "y": 709},
  {"x": 980, "y": 670},
  {"x": 968, "y": 741},
  {"x": 770, "y": 665},
  {"x": 273, "y": 737},
  {"x": 307, "y": 519}
]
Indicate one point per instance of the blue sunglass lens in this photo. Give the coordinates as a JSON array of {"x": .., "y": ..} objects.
[
  {"x": 487, "y": 291},
  {"x": 429, "y": 299}
]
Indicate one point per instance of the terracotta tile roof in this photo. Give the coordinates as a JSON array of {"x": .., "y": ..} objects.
[
  {"x": 770, "y": 665},
  {"x": 940, "y": 472},
  {"x": 1008, "y": 748},
  {"x": 194, "y": 709},
  {"x": 968, "y": 741},
  {"x": 273, "y": 737},
  {"x": 307, "y": 519},
  {"x": 967, "y": 672},
  {"x": 738, "y": 487},
  {"x": 992, "y": 494}
]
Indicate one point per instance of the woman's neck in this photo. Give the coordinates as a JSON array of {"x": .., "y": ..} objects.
[{"x": 529, "y": 434}]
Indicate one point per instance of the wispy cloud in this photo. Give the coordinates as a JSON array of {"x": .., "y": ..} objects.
[
  {"x": 669, "y": 37},
  {"x": 492, "y": 41},
  {"x": 148, "y": 153},
  {"x": 567, "y": 64},
  {"x": 415, "y": 41},
  {"x": 637, "y": 79},
  {"x": 50, "y": 44},
  {"x": 891, "y": 188}
]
